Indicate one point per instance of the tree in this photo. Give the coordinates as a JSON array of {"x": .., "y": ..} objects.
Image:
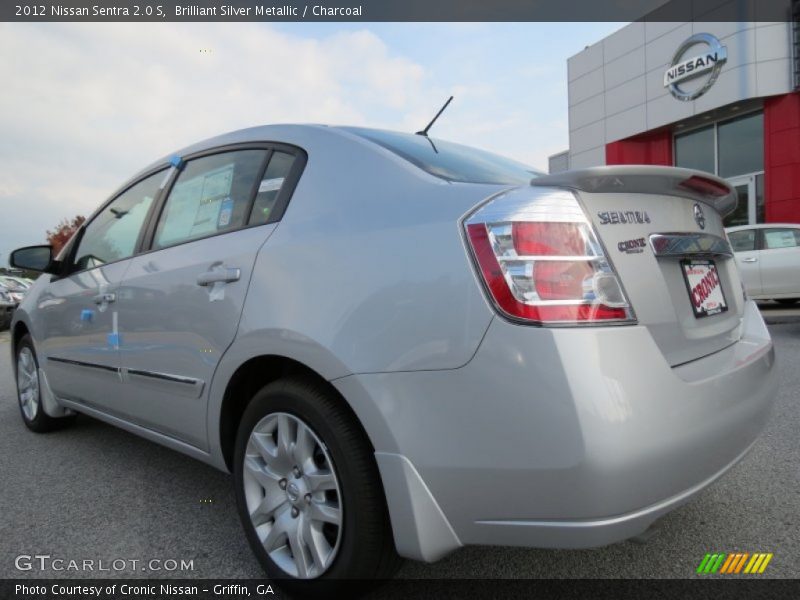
[{"x": 63, "y": 232}]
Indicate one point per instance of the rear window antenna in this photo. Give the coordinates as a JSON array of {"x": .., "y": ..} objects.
[{"x": 424, "y": 132}]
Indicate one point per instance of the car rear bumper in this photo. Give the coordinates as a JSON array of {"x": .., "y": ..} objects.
[{"x": 571, "y": 437}]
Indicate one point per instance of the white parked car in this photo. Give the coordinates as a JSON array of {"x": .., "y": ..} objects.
[{"x": 768, "y": 257}]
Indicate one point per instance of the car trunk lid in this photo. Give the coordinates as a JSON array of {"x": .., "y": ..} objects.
[{"x": 662, "y": 231}]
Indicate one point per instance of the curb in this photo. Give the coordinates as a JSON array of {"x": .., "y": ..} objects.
[{"x": 783, "y": 320}]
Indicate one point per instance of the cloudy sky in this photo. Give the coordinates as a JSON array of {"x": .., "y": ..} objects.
[{"x": 84, "y": 106}]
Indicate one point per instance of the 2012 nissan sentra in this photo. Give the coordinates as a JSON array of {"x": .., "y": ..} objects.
[{"x": 401, "y": 346}]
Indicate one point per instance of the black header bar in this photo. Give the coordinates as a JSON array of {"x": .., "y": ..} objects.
[{"x": 394, "y": 10}]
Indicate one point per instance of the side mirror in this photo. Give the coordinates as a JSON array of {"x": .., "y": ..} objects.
[{"x": 33, "y": 258}]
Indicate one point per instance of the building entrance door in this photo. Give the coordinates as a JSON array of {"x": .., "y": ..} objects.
[{"x": 745, "y": 213}]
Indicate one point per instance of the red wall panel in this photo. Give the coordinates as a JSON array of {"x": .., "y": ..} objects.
[
  {"x": 781, "y": 155},
  {"x": 782, "y": 158},
  {"x": 651, "y": 148}
]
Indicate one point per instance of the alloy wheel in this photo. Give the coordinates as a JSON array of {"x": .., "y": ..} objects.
[
  {"x": 28, "y": 383},
  {"x": 292, "y": 495}
]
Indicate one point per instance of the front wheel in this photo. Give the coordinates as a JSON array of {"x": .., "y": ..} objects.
[
  {"x": 29, "y": 391},
  {"x": 308, "y": 490}
]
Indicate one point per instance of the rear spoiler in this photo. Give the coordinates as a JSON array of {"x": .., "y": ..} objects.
[{"x": 645, "y": 179}]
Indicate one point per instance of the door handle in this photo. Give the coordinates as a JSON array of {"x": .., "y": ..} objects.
[
  {"x": 105, "y": 298},
  {"x": 750, "y": 260},
  {"x": 219, "y": 275}
]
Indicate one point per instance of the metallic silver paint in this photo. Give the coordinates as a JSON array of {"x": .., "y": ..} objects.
[
  {"x": 366, "y": 281},
  {"x": 421, "y": 529},
  {"x": 595, "y": 426},
  {"x": 52, "y": 407}
]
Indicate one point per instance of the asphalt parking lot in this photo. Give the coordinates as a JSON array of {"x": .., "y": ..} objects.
[{"x": 96, "y": 492}]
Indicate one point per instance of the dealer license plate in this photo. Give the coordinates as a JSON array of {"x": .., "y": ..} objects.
[{"x": 705, "y": 289}]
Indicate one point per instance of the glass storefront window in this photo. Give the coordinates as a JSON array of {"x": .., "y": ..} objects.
[
  {"x": 695, "y": 150},
  {"x": 733, "y": 150},
  {"x": 740, "y": 145}
]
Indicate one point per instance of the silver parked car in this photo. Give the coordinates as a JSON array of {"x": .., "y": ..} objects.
[
  {"x": 400, "y": 345},
  {"x": 768, "y": 256},
  {"x": 16, "y": 289},
  {"x": 7, "y": 307}
]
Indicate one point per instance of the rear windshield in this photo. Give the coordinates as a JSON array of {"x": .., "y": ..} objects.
[{"x": 450, "y": 161}]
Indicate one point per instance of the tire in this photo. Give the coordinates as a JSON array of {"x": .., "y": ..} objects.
[
  {"x": 338, "y": 457},
  {"x": 29, "y": 393},
  {"x": 787, "y": 301}
]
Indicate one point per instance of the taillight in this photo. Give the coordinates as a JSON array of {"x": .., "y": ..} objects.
[{"x": 541, "y": 261}]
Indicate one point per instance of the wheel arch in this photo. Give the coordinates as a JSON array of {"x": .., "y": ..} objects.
[
  {"x": 420, "y": 529},
  {"x": 251, "y": 376}
]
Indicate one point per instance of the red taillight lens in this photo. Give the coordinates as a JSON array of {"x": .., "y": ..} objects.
[
  {"x": 541, "y": 261},
  {"x": 561, "y": 280},
  {"x": 548, "y": 239}
]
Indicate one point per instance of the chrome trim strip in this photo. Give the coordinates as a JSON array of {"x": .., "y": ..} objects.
[
  {"x": 549, "y": 257},
  {"x": 194, "y": 387},
  {"x": 165, "y": 382},
  {"x": 79, "y": 363},
  {"x": 164, "y": 376},
  {"x": 689, "y": 245}
]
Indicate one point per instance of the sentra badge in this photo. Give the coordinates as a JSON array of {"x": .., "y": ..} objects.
[{"x": 619, "y": 217}]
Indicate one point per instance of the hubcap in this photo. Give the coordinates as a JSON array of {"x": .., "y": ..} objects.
[
  {"x": 292, "y": 495},
  {"x": 28, "y": 384}
]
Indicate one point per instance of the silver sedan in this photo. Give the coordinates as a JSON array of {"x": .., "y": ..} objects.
[{"x": 400, "y": 346}]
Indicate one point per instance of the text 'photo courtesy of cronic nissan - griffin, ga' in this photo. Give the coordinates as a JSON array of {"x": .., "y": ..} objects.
[{"x": 487, "y": 355}]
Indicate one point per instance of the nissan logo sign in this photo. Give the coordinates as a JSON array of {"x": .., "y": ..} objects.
[{"x": 706, "y": 64}]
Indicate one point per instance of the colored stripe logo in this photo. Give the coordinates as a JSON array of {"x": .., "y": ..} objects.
[{"x": 734, "y": 563}]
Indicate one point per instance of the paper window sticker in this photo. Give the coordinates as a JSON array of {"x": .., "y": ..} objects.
[
  {"x": 225, "y": 213},
  {"x": 270, "y": 185}
]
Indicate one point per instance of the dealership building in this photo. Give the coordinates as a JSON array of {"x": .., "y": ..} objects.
[{"x": 722, "y": 97}]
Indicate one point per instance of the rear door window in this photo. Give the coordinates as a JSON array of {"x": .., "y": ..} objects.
[
  {"x": 781, "y": 238},
  {"x": 211, "y": 195},
  {"x": 276, "y": 175}
]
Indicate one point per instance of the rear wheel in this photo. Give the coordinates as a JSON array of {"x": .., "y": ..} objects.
[
  {"x": 29, "y": 391},
  {"x": 308, "y": 490}
]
